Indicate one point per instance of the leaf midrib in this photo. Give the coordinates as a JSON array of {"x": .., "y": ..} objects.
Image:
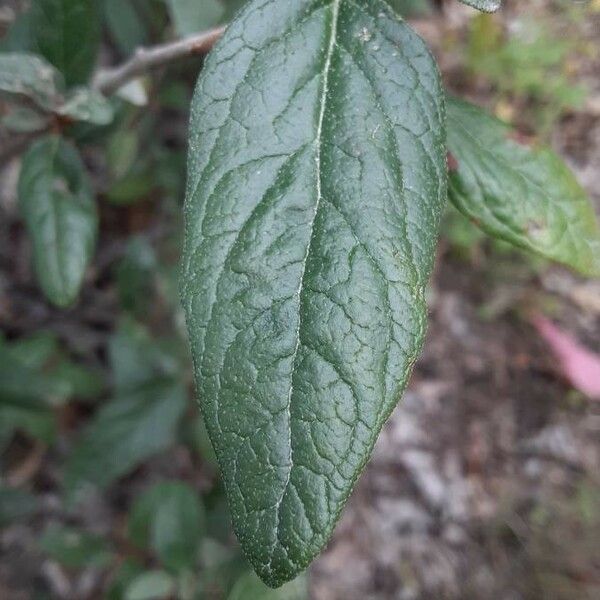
[{"x": 335, "y": 9}]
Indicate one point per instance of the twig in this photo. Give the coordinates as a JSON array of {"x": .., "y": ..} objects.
[{"x": 108, "y": 81}]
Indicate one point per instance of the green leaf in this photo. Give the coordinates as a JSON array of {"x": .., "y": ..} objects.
[
  {"x": 74, "y": 548},
  {"x": 25, "y": 76},
  {"x": 56, "y": 201},
  {"x": 122, "y": 150},
  {"x": 84, "y": 104},
  {"x": 56, "y": 377},
  {"x": 125, "y": 26},
  {"x": 231, "y": 7},
  {"x": 136, "y": 358},
  {"x": 315, "y": 188},
  {"x": 191, "y": 16},
  {"x": 77, "y": 381},
  {"x": 40, "y": 424},
  {"x": 152, "y": 585},
  {"x": 122, "y": 578},
  {"x": 169, "y": 519},
  {"x": 126, "y": 432},
  {"x": 25, "y": 392},
  {"x": 23, "y": 120},
  {"x": 15, "y": 505},
  {"x": 135, "y": 276},
  {"x": 67, "y": 34},
  {"x": 35, "y": 350},
  {"x": 525, "y": 196},
  {"x": 484, "y": 5},
  {"x": 20, "y": 385},
  {"x": 31, "y": 77},
  {"x": 249, "y": 587}
]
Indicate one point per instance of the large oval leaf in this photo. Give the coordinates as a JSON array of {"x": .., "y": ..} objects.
[
  {"x": 57, "y": 204},
  {"x": 316, "y": 182},
  {"x": 525, "y": 196}
]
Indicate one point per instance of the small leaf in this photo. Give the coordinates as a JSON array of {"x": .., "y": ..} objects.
[
  {"x": 84, "y": 104},
  {"x": 317, "y": 178},
  {"x": 28, "y": 76},
  {"x": 59, "y": 378},
  {"x": 57, "y": 204},
  {"x": 169, "y": 519},
  {"x": 191, "y": 16},
  {"x": 484, "y": 5},
  {"x": 122, "y": 151},
  {"x": 74, "y": 548},
  {"x": 21, "y": 386},
  {"x": 125, "y": 26},
  {"x": 24, "y": 120},
  {"x": 136, "y": 358},
  {"x": 15, "y": 505},
  {"x": 152, "y": 585},
  {"x": 525, "y": 196},
  {"x": 126, "y": 432},
  {"x": 135, "y": 276},
  {"x": 67, "y": 34},
  {"x": 77, "y": 381}
]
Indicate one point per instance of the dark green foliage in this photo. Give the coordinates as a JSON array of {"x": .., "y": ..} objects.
[
  {"x": 284, "y": 261},
  {"x": 57, "y": 204},
  {"x": 526, "y": 196},
  {"x": 169, "y": 519}
]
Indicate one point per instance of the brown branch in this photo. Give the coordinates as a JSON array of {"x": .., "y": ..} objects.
[{"x": 109, "y": 81}]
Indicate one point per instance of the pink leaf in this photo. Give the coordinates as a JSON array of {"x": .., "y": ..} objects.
[{"x": 580, "y": 366}]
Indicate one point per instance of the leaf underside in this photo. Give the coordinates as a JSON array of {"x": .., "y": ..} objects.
[
  {"x": 315, "y": 186},
  {"x": 525, "y": 196}
]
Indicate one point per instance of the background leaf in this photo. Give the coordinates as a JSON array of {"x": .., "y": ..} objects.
[
  {"x": 87, "y": 105},
  {"x": 74, "y": 548},
  {"x": 56, "y": 202},
  {"x": 152, "y": 585},
  {"x": 169, "y": 519},
  {"x": 126, "y": 432},
  {"x": 190, "y": 16},
  {"x": 67, "y": 34},
  {"x": 525, "y": 196},
  {"x": 125, "y": 25}
]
